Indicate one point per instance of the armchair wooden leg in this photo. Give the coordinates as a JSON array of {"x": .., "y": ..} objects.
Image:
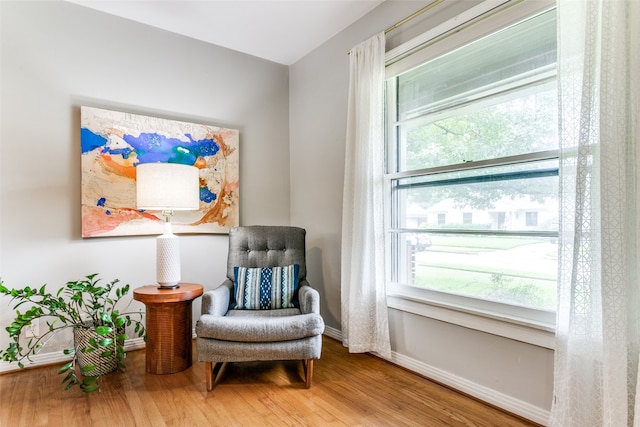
[
  {"x": 212, "y": 373},
  {"x": 208, "y": 374},
  {"x": 308, "y": 371}
]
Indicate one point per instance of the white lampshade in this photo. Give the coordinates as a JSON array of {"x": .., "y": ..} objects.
[{"x": 167, "y": 186}]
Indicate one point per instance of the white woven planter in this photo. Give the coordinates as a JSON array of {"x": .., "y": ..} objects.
[{"x": 104, "y": 365}]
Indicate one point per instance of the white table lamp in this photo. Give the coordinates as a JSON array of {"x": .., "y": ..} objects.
[{"x": 167, "y": 187}]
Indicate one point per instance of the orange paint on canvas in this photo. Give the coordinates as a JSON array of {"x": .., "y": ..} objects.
[
  {"x": 116, "y": 168},
  {"x": 95, "y": 219},
  {"x": 231, "y": 186}
]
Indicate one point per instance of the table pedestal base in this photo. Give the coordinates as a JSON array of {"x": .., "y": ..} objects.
[
  {"x": 168, "y": 326},
  {"x": 168, "y": 348}
]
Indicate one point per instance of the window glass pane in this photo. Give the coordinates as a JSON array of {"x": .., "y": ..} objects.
[
  {"x": 505, "y": 198},
  {"x": 517, "y": 270},
  {"x": 520, "y": 122},
  {"x": 469, "y": 72}
]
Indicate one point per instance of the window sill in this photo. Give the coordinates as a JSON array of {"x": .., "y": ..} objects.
[{"x": 537, "y": 333}]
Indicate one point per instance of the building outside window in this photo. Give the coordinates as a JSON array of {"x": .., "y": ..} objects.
[{"x": 472, "y": 143}]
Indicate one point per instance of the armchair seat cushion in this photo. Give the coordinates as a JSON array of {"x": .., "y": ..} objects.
[{"x": 260, "y": 326}]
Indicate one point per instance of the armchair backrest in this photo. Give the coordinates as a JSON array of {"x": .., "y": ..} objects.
[{"x": 266, "y": 246}]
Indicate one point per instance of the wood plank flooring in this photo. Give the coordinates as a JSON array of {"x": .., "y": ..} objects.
[{"x": 348, "y": 390}]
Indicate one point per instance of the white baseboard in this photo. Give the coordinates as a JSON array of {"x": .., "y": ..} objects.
[
  {"x": 334, "y": 333},
  {"x": 480, "y": 392},
  {"x": 59, "y": 357}
]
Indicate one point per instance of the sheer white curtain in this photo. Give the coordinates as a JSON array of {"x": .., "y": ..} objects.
[
  {"x": 365, "y": 325},
  {"x": 596, "y": 362}
]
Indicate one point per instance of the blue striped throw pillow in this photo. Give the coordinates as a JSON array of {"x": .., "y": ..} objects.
[{"x": 266, "y": 288}]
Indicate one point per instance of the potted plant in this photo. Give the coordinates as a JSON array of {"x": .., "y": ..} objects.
[{"x": 88, "y": 307}]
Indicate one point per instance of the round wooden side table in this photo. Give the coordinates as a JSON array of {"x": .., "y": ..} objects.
[{"x": 168, "y": 326}]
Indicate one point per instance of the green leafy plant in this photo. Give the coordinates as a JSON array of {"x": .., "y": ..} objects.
[{"x": 87, "y": 305}]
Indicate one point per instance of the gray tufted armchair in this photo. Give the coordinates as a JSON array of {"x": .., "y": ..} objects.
[{"x": 228, "y": 334}]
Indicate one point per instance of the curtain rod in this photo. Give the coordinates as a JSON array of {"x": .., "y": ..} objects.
[
  {"x": 409, "y": 18},
  {"x": 413, "y": 15}
]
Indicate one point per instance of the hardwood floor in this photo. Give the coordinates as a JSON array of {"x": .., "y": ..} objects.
[{"x": 348, "y": 390}]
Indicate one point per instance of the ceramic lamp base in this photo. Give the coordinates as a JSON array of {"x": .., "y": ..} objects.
[{"x": 168, "y": 260}]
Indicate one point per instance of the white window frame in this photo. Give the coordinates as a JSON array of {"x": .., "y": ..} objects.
[{"x": 529, "y": 325}]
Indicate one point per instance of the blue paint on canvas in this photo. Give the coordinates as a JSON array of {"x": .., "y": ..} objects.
[
  {"x": 90, "y": 141},
  {"x": 154, "y": 147},
  {"x": 124, "y": 152},
  {"x": 206, "y": 195}
]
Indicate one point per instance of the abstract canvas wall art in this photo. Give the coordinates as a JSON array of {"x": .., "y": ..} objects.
[{"x": 113, "y": 143}]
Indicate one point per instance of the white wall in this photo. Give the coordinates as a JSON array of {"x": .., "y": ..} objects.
[
  {"x": 57, "y": 56},
  {"x": 509, "y": 373}
]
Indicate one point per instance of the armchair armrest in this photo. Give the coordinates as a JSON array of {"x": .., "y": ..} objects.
[
  {"x": 309, "y": 298},
  {"x": 216, "y": 301}
]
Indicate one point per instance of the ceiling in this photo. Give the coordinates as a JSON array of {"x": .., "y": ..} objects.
[{"x": 281, "y": 31}]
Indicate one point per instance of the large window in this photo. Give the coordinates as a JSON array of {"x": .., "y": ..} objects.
[{"x": 472, "y": 168}]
